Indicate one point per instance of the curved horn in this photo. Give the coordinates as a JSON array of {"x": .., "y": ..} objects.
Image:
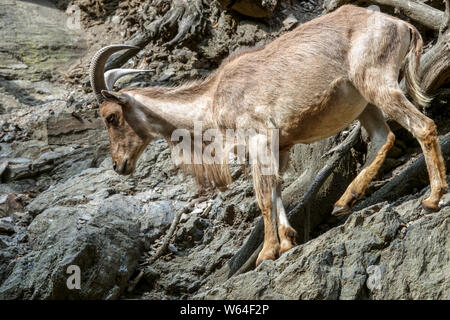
[
  {"x": 113, "y": 75},
  {"x": 97, "y": 68}
]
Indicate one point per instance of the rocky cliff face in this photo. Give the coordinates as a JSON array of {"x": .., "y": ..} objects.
[
  {"x": 387, "y": 251},
  {"x": 62, "y": 205}
]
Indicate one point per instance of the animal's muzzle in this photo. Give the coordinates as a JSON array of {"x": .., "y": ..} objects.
[{"x": 123, "y": 168}]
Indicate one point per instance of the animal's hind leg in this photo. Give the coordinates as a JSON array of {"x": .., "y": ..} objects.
[
  {"x": 382, "y": 139},
  {"x": 393, "y": 102}
]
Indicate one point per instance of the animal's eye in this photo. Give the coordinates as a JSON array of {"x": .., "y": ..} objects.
[{"x": 111, "y": 118}]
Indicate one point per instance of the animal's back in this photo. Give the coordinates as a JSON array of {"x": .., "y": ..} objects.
[
  {"x": 291, "y": 70},
  {"x": 292, "y": 74}
]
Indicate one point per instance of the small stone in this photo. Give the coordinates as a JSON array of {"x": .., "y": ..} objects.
[
  {"x": 6, "y": 228},
  {"x": 7, "y": 220},
  {"x": 167, "y": 74},
  {"x": 194, "y": 73},
  {"x": 18, "y": 66},
  {"x": 115, "y": 19},
  {"x": 202, "y": 205},
  {"x": 227, "y": 215},
  {"x": 22, "y": 237},
  {"x": 197, "y": 211},
  {"x": 85, "y": 217},
  {"x": 290, "y": 22},
  {"x": 184, "y": 217},
  {"x": 172, "y": 248}
]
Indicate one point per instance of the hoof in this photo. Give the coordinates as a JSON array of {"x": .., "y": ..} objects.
[
  {"x": 267, "y": 255},
  {"x": 288, "y": 238},
  {"x": 286, "y": 245},
  {"x": 262, "y": 259},
  {"x": 339, "y": 211},
  {"x": 429, "y": 207}
]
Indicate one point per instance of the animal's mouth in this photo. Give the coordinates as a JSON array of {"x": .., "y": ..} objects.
[{"x": 125, "y": 168}]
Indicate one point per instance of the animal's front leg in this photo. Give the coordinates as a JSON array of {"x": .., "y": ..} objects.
[
  {"x": 264, "y": 185},
  {"x": 271, "y": 248},
  {"x": 275, "y": 245},
  {"x": 286, "y": 233}
]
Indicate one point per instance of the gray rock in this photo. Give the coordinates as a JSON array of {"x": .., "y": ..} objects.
[
  {"x": 6, "y": 227},
  {"x": 290, "y": 22},
  {"x": 85, "y": 127},
  {"x": 157, "y": 217},
  {"x": 227, "y": 215},
  {"x": 166, "y": 74},
  {"x": 191, "y": 232},
  {"x": 10, "y": 204},
  {"x": 106, "y": 249},
  {"x": 7, "y": 257},
  {"x": 116, "y": 19},
  {"x": 43, "y": 42},
  {"x": 92, "y": 184},
  {"x": 374, "y": 255}
]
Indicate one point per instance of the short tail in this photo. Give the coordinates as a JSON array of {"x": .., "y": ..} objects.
[{"x": 412, "y": 67}]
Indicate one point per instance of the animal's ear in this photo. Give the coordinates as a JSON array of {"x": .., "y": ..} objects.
[{"x": 115, "y": 97}]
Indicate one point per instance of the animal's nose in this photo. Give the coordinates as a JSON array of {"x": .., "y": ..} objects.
[{"x": 115, "y": 166}]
